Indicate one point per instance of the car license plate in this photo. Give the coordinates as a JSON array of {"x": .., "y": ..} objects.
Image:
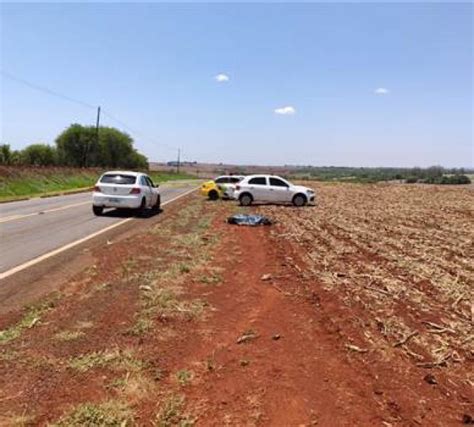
[{"x": 113, "y": 200}]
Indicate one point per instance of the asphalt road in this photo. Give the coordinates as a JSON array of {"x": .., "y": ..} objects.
[{"x": 31, "y": 228}]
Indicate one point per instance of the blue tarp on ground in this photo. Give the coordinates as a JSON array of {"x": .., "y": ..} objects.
[{"x": 252, "y": 220}]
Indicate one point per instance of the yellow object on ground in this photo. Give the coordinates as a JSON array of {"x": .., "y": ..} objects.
[{"x": 211, "y": 190}]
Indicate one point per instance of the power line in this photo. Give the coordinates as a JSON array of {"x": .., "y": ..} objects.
[
  {"x": 46, "y": 90},
  {"x": 132, "y": 130},
  {"x": 79, "y": 102},
  {"x": 123, "y": 124}
]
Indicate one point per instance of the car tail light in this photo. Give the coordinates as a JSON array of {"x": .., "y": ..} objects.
[
  {"x": 135, "y": 191},
  {"x": 97, "y": 189},
  {"x": 237, "y": 187}
]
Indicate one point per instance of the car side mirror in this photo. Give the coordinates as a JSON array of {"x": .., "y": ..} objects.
[{"x": 156, "y": 186}]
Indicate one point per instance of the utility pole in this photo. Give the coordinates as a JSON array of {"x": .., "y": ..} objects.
[
  {"x": 179, "y": 160},
  {"x": 96, "y": 137},
  {"x": 97, "y": 124}
]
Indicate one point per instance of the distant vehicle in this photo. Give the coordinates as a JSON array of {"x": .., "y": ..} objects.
[
  {"x": 125, "y": 190},
  {"x": 273, "y": 189},
  {"x": 221, "y": 187}
]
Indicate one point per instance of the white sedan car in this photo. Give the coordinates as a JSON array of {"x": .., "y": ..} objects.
[
  {"x": 127, "y": 190},
  {"x": 227, "y": 184},
  {"x": 272, "y": 189}
]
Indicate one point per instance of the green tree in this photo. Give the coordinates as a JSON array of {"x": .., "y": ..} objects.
[
  {"x": 5, "y": 154},
  {"x": 115, "y": 147},
  {"x": 78, "y": 146},
  {"x": 137, "y": 161},
  {"x": 81, "y": 146},
  {"x": 39, "y": 155}
]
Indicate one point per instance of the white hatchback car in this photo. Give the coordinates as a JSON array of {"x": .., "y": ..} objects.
[
  {"x": 127, "y": 190},
  {"x": 272, "y": 189}
]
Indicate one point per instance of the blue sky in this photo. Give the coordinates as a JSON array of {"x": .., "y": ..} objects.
[{"x": 153, "y": 67}]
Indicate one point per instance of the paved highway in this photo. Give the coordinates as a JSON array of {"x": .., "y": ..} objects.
[{"x": 32, "y": 228}]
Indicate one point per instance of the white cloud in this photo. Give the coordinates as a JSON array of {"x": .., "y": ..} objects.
[
  {"x": 381, "y": 91},
  {"x": 221, "y": 78},
  {"x": 288, "y": 110}
]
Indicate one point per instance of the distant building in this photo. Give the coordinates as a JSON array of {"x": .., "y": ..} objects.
[{"x": 174, "y": 163}]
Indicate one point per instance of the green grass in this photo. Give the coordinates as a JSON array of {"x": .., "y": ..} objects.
[
  {"x": 171, "y": 413},
  {"x": 161, "y": 288},
  {"x": 121, "y": 360},
  {"x": 184, "y": 376},
  {"x": 29, "y": 320},
  {"x": 168, "y": 176},
  {"x": 26, "y": 182},
  {"x": 37, "y": 184},
  {"x": 107, "y": 414}
]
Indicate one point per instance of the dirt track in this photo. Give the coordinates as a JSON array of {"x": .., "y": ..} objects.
[{"x": 225, "y": 325}]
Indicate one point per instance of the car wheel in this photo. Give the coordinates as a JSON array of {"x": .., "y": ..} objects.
[
  {"x": 141, "y": 210},
  {"x": 213, "y": 195},
  {"x": 157, "y": 206},
  {"x": 98, "y": 210},
  {"x": 245, "y": 200},
  {"x": 299, "y": 200}
]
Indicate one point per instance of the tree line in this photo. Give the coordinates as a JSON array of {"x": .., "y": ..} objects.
[
  {"x": 80, "y": 146},
  {"x": 430, "y": 175}
]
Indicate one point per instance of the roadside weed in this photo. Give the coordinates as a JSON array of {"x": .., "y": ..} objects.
[
  {"x": 69, "y": 335},
  {"x": 29, "y": 320},
  {"x": 171, "y": 413},
  {"x": 212, "y": 275},
  {"x": 141, "y": 326},
  {"x": 117, "y": 359},
  {"x": 107, "y": 414},
  {"x": 184, "y": 376}
]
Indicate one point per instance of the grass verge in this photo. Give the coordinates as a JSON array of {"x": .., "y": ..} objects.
[
  {"x": 23, "y": 182},
  {"x": 160, "y": 289}
]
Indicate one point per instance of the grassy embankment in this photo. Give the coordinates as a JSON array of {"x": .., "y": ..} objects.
[{"x": 23, "y": 182}]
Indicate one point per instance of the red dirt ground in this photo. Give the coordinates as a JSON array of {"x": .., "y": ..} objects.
[{"x": 295, "y": 369}]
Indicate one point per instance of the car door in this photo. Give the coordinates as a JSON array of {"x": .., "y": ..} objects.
[
  {"x": 145, "y": 187},
  {"x": 279, "y": 190},
  {"x": 154, "y": 191},
  {"x": 259, "y": 189}
]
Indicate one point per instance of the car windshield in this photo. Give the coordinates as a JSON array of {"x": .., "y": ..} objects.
[{"x": 119, "y": 179}]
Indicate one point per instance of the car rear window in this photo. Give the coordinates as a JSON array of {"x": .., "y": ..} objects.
[
  {"x": 118, "y": 179},
  {"x": 235, "y": 179}
]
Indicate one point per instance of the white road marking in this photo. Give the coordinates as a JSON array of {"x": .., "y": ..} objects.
[
  {"x": 16, "y": 217},
  {"x": 77, "y": 242}
]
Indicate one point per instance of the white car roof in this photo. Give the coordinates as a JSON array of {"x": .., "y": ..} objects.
[
  {"x": 123, "y": 173},
  {"x": 259, "y": 175}
]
